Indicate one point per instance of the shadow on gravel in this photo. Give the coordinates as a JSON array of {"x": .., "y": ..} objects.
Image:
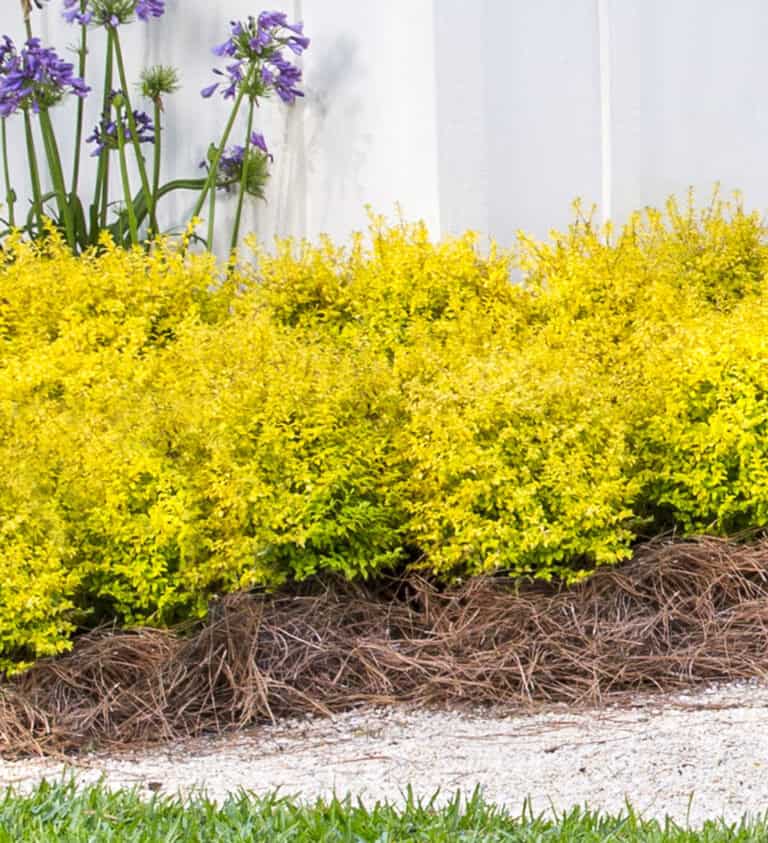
[{"x": 677, "y": 614}]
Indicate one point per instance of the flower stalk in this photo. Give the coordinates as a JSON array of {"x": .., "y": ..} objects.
[
  {"x": 34, "y": 172},
  {"x": 82, "y": 59},
  {"x": 140, "y": 163},
  {"x": 243, "y": 179},
  {"x": 211, "y": 217},
  {"x": 210, "y": 182},
  {"x": 57, "y": 176},
  {"x": 34, "y": 79},
  {"x": 101, "y": 190},
  {"x": 127, "y": 198},
  {"x": 10, "y": 193},
  {"x": 158, "y": 152}
]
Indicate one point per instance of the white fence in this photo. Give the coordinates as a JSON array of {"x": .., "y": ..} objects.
[{"x": 489, "y": 114}]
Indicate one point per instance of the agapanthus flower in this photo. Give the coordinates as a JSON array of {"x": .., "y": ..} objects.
[
  {"x": 146, "y": 9},
  {"x": 7, "y": 49},
  {"x": 256, "y": 46},
  {"x": 257, "y": 140},
  {"x": 230, "y": 169},
  {"x": 34, "y": 77},
  {"x": 104, "y": 136},
  {"x": 111, "y": 13},
  {"x": 285, "y": 79}
]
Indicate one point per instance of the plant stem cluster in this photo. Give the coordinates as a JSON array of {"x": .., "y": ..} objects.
[{"x": 34, "y": 79}]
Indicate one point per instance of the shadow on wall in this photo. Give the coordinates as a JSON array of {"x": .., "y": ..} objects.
[{"x": 337, "y": 143}]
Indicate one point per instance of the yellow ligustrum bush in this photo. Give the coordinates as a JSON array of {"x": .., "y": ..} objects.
[{"x": 170, "y": 434}]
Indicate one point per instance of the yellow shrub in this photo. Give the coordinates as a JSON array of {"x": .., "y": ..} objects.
[
  {"x": 705, "y": 466},
  {"x": 169, "y": 434}
]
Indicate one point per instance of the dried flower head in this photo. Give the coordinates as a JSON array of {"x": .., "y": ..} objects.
[
  {"x": 26, "y": 6},
  {"x": 159, "y": 81}
]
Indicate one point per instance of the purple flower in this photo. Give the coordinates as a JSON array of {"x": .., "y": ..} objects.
[
  {"x": 228, "y": 48},
  {"x": 7, "y": 48},
  {"x": 230, "y": 167},
  {"x": 262, "y": 39},
  {"x": 146, "y": 9},
  {"x": 297, "y": 43},
  {"x": 34, "y": 78},
  {"x": 233, "y": 73},
  {"x": 271, "y": 20},
  {"x": 234, "y": 158},
  {"x": 287, "y": 78},
  {"x": 73, "y": 14},
  {"x": 112, "y": 13},
  {"x": 104, "y": 136},
  {"x": 257, "y": 45},
  {"x": 257, "y": 140}
]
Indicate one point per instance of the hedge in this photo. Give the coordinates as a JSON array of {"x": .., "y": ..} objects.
[{"x": 171, "y": 432}]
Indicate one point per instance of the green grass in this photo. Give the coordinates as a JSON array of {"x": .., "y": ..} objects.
[{"x": 92, "y": 814}]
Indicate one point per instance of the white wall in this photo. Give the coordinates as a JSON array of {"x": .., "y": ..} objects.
[
  {"x": 490, "y": 114},
  {"x": 519, "y": 112},
  {"x": 689, "y": 99}
]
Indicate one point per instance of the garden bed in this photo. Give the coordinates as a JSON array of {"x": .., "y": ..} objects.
[{"x": 679, "y": 614}]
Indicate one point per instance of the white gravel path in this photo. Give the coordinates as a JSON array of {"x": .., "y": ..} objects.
[{"x": 694, "y": 756}]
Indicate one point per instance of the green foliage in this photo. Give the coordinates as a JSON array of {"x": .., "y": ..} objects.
[
  {"x": 96, "y": 815},
  {"x": 168, "y": 435}
]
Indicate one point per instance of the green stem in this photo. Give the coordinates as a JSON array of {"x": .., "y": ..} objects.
[
  {"x": 211, "y": 219},
  {"x": 140, "y": 204},
  {"x": 34, "y": 171},
  {"x": 101, "y": 192},
  {"x": 115, "y": 38},
  {"x": 126, "y": 181},
  {"x": 104, "y": 199},
  {"x": 57, "y": 176},
  {"x": 243, "y": 181},
  {"x": 10, "y": 193},
  {"x": 28, "y": 27},
  {"x": 97, "y": 193},
  {"x": 214, "y": 167},
  {"x": 80, "y": 105},
  {"x": 157, "y": 155}
]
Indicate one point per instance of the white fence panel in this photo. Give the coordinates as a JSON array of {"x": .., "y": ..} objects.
[{"x": 490, "y": 114}]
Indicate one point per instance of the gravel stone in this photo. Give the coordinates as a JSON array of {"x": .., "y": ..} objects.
[{"x": 693, "y": 756}]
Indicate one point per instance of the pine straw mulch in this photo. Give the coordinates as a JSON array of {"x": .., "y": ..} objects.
[{"x": 677, "y": 614}]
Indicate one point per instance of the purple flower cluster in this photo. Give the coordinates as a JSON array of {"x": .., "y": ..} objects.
[
  {"x": 256, "y": 47},
  {"x": 237, "y": 153},
  {"x": 146, "y": 9},
  {"x": 34, "y": 77},
  {"x": 283, "y": 76},
  {"x": 104, "y": 136},
  {"x": 112, "y": 13},
  {"x": 232, "y": 160}
]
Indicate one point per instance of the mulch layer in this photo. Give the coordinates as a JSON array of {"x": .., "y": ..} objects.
[{"x": 678, "y": 614}]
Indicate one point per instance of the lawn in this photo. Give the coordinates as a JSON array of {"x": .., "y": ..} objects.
[{"x": 62, "y": 812}]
